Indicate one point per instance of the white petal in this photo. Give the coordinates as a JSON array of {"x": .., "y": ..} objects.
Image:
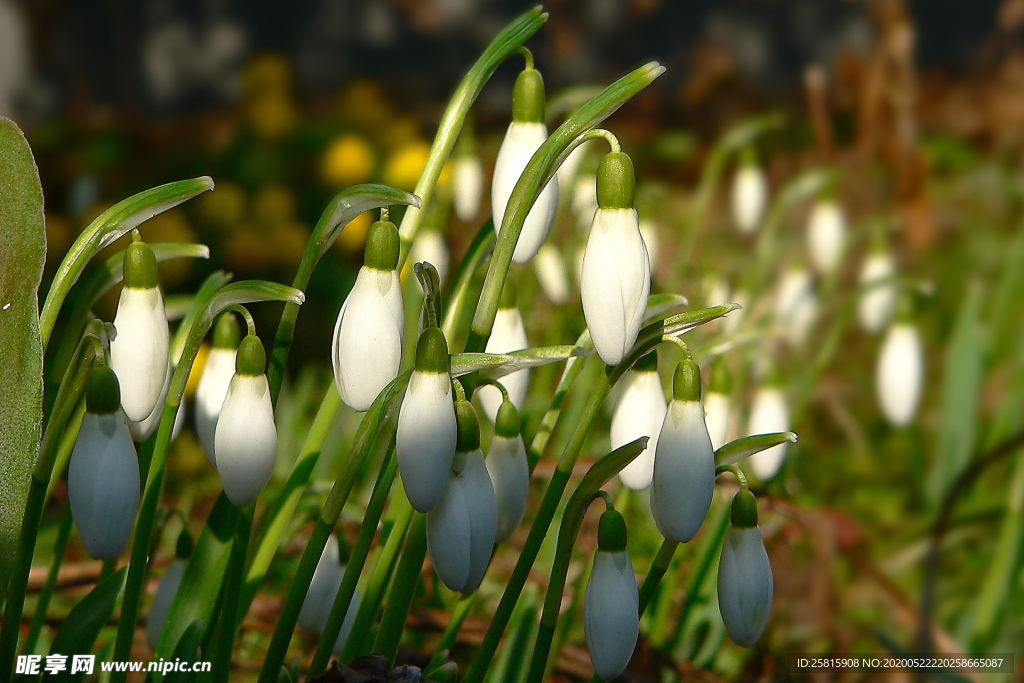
[
  {"x": 584, "y": 199},
  {"x": 876, "y": 305},
  {"x": 210, "y": 393},
  {"x": 552, "y": 274},
  {"x": 103, "y": 484},
  {"x": 368, "y": 337},
  {"x": 749, "y": 195},
  {"x": 479, "y": 495},
  {"x": 323, "y": 588},
  {"x": 649, "y": 233},
  {"x": 246, "y": 439},
  {"x": 161, "y": 605},
  {"x": 639, "y": 412},
  {"x": 769, "y": 414},
  {"x": 611, "y": 613},
  {"x": 684, "y": 472},
  {"x": 430, "y": 246},
  {"x": 449, "y": 536},
  {"x": 138, "y": 354},
  {"x": 520, "y": 143},
  {"x": 735, "y": 318},
  {"x": 510, "y": 477},
  {"x": 141, "y": 431},
  {"x": 570, "y": 166},
  {"x": 899, "y": 373},
  {"x": 745, "y": 585},
  {"x": 425, "y": 440},
  {"x": 350, "y": 616},
  {"x": 616, "y": 282},
  {"x": 507, "y": 334},
  {"x": 716, "y": 417},
  {"x": 467, "y": 186},
  {"x": 826, "y": 235}
]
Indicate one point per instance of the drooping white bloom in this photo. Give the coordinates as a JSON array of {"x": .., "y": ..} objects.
[
  {"x": 210, "y": 393},
  {"x": 552, "y": 274},
  {"x": 745, "y": 583},
  {"x": 769, "y": 414},
  {"x": 568, "y": 169},
  {"x": 795, "y": 305},
  {"x": 507, "y": 334},
  {"x": 368, "y": 337},
  {"x": 143, "y": 430},
  {"x": 716, "y": 417},
  {"x": 103, "y": 484},
  {"x": 877, "y": 303},
  {"x": 684, "y": 472},
  {"x": 649, "y": 232},
  {"x": 732, "y": 322},
  {"x": 584, "y": 199},
  {"x": 461, "y": 528},
  {"x": 826, "y": 235},
  {"x": 245, "y": 442},
  {"x": 640, "y": 411},
  {"x": 467, "y": 187},
  {"x": 899, "y": 373},
  {"x": 510, "y": 477},
  {"x": 749, "y": 196},
  {"x": 429, "y": 246},
  {"x": 616, "y": 282},
  {"x": 611, "y": 604},
  {"x": 139, "y": 352},
  {"x": 161, "y": 605},
  {"x": 521, "y": 141},
  {"x": 323, "y": 589},
  {"x": 716, "y": 291}
]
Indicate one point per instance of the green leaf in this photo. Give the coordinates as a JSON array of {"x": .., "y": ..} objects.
[
  {"x": 495, "y": 365},
  {"x": 734, "y": 451},
  {"x": 960, "y": 394},
  {"x": 78, "y": 633},
  {"x": 348, "y": 204},
  {"x": 186, "y": 651},
  {"x": 22, "y": 253}
]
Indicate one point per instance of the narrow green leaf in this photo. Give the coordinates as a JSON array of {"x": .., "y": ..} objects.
[
  {"x": 22, "y": 253},
  {"x": 350, "y": 203},
  {"x": 495, "y": 365},
  {"x": 78, "y": 633},
  {"x": 186, "y": 651},
  {"x": 734, "y": 451}
]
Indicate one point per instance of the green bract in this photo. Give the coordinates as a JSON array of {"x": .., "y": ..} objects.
[
  {"x": 432, "y": 351},
  {"x": 528, "y": 97},
  {"x": 686, "y": 381},
  {"x": 102, "y": 393},
  {"x": 507, "y": 422},
  {"x": 744, "y": 510},
  {"x": 251, "y": 359},
  {"x": 611, "y": 532},
  {"x": 616, "y": 182},
  {"x": 468, "y": 425},
  {"x": 225, "y": 332},
  {"x": 382, "y": 246}
]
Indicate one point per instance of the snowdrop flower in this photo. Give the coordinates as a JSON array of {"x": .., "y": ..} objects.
[
  {"x": 877, "y": 303},
  {"x": 745, "y": 583},
  {"x": 611, "y": 604},
  {"x": 652, "y": 241},
  {"x": 167, "y": 588},
  {"x": 213, "y": 383},
  {"x": 749, "y": 195},
  {"x": 570, "y": 166},
  {"x": 525, "y": 134},
  {"x": 640, "y": 411},
  {"x": 616, "y": 277},
  {"x": 245, "y": 442},
  {"x": 467, "y": 186},
  {"x": 899, "y": 373},
  {"x": 769, "y": 414},
  {"x": 507, "y": 334},
  {"x": 731, "y": 323},
  {"x": 427, "y": 431},
  {"x": 461, "y": 528},
  {"x": 509, "y": 471},
  {"x": 139, "y": 352},
  {"x": 370, "y": 332},
  {"x": 826, "y": 235},
  {"x": 430, "y": 246},
  {"x": 716, "y": 405},
  {"x": 684, "y": 465},
  {"x": 323, "y": 589},
  {"x": 795, "y": 305},
  {"x": 141, "y": 431},
  {"x": 552, "y": 274},
  {"x": 103, "y": 474},
  {"x": 584, "y": 199}
]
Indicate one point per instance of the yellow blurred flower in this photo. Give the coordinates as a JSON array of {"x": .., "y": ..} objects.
[
  {"x": 197, "y": 370},
  {"x": 353, "y": 238},
  {"x": 224, "y": 207},
  {"x": 273, "y": 205},
  {"x": 290, "y": 240},
  {"x": 348, "y": 160},
  {"x": 266, "y": 75},
  {"x": 403, "y": 168},
  {"x": 271, "y": 116}
]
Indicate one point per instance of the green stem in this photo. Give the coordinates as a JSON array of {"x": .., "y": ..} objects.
[
  {"x": 719, "y": 518},
  {"x": 230, "y": 618},
  {"x": 451, "y": 631},
  {"x": 51, "y": 580},
  {"x": 656, "y": 572},
  {"x": 403, "y": 589}
]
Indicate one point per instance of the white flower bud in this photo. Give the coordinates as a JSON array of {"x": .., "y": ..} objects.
[
  {"x": 826, "y": 235},
  {"x": 368, "y": 337},
  {"x": 769, "y": 414},
  {"x": 139, "y": 352},
  {"x": 749, "y": 197},
  {"x": 684, "y": 472},
  {"x": 161, "y": 605},
  {"x": 510, "y": 477},
  {"x": 899, "y": 373},
  {"x": 876, "y": 305},
  {"x": 521, "y": 141},
  {"x": 745, "y": 585},
  {"x": 611, "y": 613},
  {"x": 552, "y": 274},
  {"x": 584, "y": 199},
  {"x": 652, "y": 241},
  {"x": 716, "y": 417},
  {"x": 429, "y": 246},
  {"x": 467, "y": 187},
  {"x": 461, "y": 527},
  {"x": 103, "y": 484},
  {"x": 210, "y": 393},
  {"x": 795, "y": 305},
  {"x": 141, "y": 431},
  {"x": 616, "y": 282},
  {"x": 323, "y": 589},
  {"x": 570, "y": 166},
  {"x": 245, "y": 442},
  {"x": 425, "y": 441},
  {"x": 639, "y": 412},
  {"x": 731, "y": 323},
  {"x": 507, "y": 334}
]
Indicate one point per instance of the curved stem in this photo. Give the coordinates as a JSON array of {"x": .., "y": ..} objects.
[
  {"x": 496, "y": 384},
  {"x": 607, "y": 135},
  {"x": 250, "y": 324},
  {"x": 736, "y": 472},
  {"x": 527, "y": 56}
]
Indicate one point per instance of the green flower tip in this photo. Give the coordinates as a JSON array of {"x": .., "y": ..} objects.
[
  {"x": 744, "y": 510},
  {"x": 686, "y": 381},
  {"x": 469, "y": 426},
  {"x": 251, "y": 359},
  {"x": 139, "y": 266},
  {"x": 611, "y": 532},
  {"x": 102, "y": 391},
  {"x": 616, "y": 183},
  {"x": 432, "y": 351},
  {"x": 185, "y": 545},
  {"x": 721, "y": 380},
  {"x": 382, "y": 246},
  {"x": 225, "y": 332},
  {"x": 528, "y": 97},
  {"x": 506, "y": 423},
  {"x": 647, "y": 362}
]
